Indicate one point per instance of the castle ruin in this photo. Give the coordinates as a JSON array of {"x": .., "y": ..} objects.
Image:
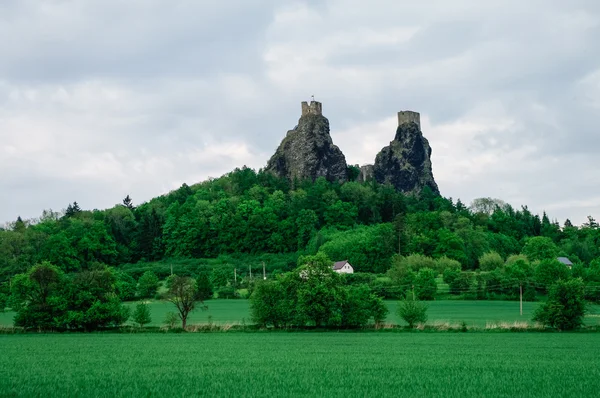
[
  {"x": 315, "y": 108},
  {"x": 409, "y": 117}
]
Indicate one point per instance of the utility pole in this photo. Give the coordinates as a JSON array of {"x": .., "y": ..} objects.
[
  {"x": 413, "y": 289},
  {"x": 521, "y": 297},
  {"x": 264, "y": 274},
  {"x": 250, "y": 268},
  {"x": 235, "y": 277},
  {"x": 171, "y": 269}
]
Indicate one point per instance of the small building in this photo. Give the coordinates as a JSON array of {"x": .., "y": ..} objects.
[
  {"x": 343, "y": 267},
  {"x": 565, "y": 261}
]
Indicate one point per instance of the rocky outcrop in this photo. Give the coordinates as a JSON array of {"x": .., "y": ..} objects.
[
  {"x": 307, "y": 151},
  {"x": 406, "y": 162}
]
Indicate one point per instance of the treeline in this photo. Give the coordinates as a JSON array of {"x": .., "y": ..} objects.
[{"x": 256, "y": 214}]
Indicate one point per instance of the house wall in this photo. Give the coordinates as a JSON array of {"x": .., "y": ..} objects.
[{"x": 346, "y": 269}]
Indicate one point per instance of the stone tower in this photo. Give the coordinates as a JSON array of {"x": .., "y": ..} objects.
[
  {"x": 315, "y": 108},
  {"x": 409, "y": 117}
]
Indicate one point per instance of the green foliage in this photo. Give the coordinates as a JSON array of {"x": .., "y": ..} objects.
[
  {"x": 46, "y": 299},
  {"x": 425, "y": 285},
  {"x": 368, "y": 249},
  {"x": 205, "y": 290},
  {"x": 491, "y": 261},
  {"x": 540, "y": 248},
  {"x": 413, "y": 312},
  {"x": 444, "y": 263},
  {"x": 565, "y": 307},
  {"x": 141, "y": 314},
  {"x": 184, "y": 294},
  {"x": 548, "y": 272},
  {"x": 147, "y": 285},
  {"x": 171, "y": 320},
  {"x": 314, "y": 295},
  {"x": 461, "y": 283}
]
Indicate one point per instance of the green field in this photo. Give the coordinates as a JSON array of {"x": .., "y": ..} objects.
[
  {"x": 474, "y": 313},
  {"x": 300, "y": 364}
]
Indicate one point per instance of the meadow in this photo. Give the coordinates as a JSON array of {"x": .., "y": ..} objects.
[
  {"x": 473, "y": 313},
  {"x": 335, "y": 364}
]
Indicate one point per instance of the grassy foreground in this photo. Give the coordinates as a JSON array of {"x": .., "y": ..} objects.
[
  {"x": 300, "y": 364},
  {"x": 474, "y": 313}
]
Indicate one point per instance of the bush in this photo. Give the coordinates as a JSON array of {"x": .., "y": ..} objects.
[
  {"x": 171, "y": 320},
  {"x": 444, "y": 263},
  {"x": 141, "y": 314},
  {"x": 550, "y": 271},
  {"x": 490, "y": 261},
  {"x": 461, "y": 284},
  {"x": 425, "y": 284},
  {"x": 565, "y": 307},
  {"x": 413, "y": 312},
  {"x": 147, "y": 285}
]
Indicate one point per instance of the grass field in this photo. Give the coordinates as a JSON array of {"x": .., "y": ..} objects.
[
  {"x": 474, "y": 313},
  {"x": 300, "y": 364}
]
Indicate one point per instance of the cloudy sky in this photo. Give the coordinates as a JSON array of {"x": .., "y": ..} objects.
[{"x": 104, "y": 98}]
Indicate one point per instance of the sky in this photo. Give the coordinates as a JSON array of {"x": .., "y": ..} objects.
[{"x": 100, "y": 99}]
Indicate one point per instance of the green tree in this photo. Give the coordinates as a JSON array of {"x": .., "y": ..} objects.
[
  {"x": 490, "y": 261},
  {"x": 565, "y": 307},
  {"x": 413, "y": 311},
  {"x": 184, "y": 294},
  {"x": 38, "y": 297},
  {"x": 548, "y": 272},
  {"x": 141, "y": 314},
  {"x": 540, "y": 248},
  {"x": 425, "y": 285},
  {"x": 147, "y": 285}
]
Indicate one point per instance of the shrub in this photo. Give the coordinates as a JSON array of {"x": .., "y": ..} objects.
[
  {"x": 425, "y": 284},
  {"x": 565, "y": 307},
  {"x": 413, "y": 312},
  {"x": 171, "y": 320},
  {"x": 141, "y": 314},
  {"x": 490, "y": 261},
  {"x": 461, "y": 284},
  {"x": 147, "y": 285},
  {"x": 444, "y": 263}
]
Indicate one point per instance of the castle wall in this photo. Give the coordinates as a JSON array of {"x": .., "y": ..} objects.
[
  {"x": 315, "y": 108},
  {"x": 409, "y": 117}
]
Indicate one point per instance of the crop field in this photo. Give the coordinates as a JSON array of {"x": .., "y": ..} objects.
[
  {"x": 300, "y": 364},
  {"x": 474, "y": 313}
]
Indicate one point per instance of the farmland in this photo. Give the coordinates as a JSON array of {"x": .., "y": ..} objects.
[
  {"x": 300, "y": 364},
  {"x": 474, "y": 313}
]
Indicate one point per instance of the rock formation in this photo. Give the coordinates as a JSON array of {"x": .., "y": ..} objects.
[
  {"x": 307, "y": 151},
  {"x": 406, "y": 162}
]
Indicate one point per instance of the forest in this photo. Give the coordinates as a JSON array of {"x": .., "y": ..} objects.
[{"x": 245, "y": 221}]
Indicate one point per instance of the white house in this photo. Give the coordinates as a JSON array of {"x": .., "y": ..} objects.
[{"x": 343, "y": 267}]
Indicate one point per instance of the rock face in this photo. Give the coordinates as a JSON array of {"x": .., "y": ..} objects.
[
  {"x": 307, "y": 151},
  {"x": 406, "y": 162}
]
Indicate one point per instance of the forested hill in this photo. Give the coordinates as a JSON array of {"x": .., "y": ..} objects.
[{"x": 257, "y": 213}]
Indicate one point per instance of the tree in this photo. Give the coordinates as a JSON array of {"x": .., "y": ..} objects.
[
  {"x": 412, "y": 311},
  {"x": 548, "y": 272},
  {"x": 540, "y": 248},
  {"x": 38, "y": 297},
  {"x": 183, "y": 293},
  {"x": 205, "y": 290},
  {"x": 565, "y": 307},
  {"x": 490, "y": 261},
  {"x": 141, "y": 315},
  {"x": 147, "y": 285},
  {"x": 425, "y": 285},
  {"x": 127, "y": 202}
]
